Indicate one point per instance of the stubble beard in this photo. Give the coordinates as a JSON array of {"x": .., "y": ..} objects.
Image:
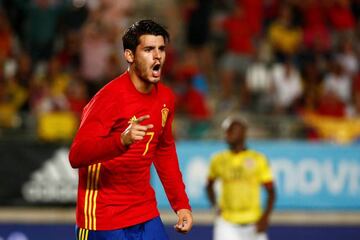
[{"x": 142, "y": 73}]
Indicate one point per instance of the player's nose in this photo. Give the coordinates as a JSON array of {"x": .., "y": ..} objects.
[{"x": 156, "y": 54}]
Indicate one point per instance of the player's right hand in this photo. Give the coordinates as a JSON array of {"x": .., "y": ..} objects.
[
  {"x": 185, "y": 221},
  {"x": 135, "y": 131}
]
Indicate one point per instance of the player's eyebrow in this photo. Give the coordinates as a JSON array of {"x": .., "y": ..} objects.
[{"x": 151, "y": 47}]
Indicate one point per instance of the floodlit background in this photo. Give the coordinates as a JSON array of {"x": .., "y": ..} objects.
[{"x": 289, "y": 67}]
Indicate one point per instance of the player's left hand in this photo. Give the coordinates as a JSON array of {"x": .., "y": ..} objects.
[{"x": 185, "y": 221}]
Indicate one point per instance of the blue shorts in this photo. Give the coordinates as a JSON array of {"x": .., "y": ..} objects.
[{"x": 150, "y": 230}]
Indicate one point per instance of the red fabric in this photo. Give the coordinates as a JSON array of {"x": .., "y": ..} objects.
[
  {"x": 356, "y": 84},
  {"x": 77, "y": 105},
  {"x": 192, "y": 101},
  {"x": 331, "y": 106},
  {"x": 341, "y": 17},
  {"x": 271, "y": 9},
  {"x": 185, "y": 73},
  {"x": 171, "y": 59},
  {"x": 239, "y": 35},
  {"x": 254, "y": 13},
  {"x": 5, "y": 43},
  {"x": 314, "y": 14},
  {"x": 317, "y": 37},
  {"x": 194, "y": 104},
  {"x": 124, "y": 196}
]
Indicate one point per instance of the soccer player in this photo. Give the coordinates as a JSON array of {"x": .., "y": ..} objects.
[
  {"x": 242, "y": 172},
  {"x": 124, "y": 129}
]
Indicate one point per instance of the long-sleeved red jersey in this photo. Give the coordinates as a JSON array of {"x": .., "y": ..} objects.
[{"x": 114, "y": 181}]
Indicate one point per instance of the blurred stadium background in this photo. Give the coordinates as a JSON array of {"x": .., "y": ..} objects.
[{"x": 290, "y": 67}]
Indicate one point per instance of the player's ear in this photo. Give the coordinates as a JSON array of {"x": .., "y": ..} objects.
[{"x": 129, "y": 56}]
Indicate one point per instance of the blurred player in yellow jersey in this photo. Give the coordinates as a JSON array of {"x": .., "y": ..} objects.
[{"x": 242, "y": 172}]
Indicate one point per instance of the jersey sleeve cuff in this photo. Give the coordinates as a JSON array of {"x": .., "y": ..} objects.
[
  {"x": 120, "y": 146},
  {"x": 183, "y": 207}
]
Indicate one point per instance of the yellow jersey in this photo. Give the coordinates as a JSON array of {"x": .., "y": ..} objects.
[
  {"x": 242, "y": 175},
  {"x": 287, "y": 39}
]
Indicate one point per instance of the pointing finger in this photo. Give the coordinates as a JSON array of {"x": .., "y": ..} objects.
[
  {"x": 143, "y": 128},
  {"x": 140, "y": 119}
]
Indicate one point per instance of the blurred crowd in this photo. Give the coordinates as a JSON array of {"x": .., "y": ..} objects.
[{"x": 264, "y": 57}]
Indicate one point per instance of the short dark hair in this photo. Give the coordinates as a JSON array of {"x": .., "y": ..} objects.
[{"x": 135, "y": 31}]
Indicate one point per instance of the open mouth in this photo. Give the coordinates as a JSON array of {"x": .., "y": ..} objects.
[
  {"x": 156, "y": 67},
  {"x": 156, "y": 70}
]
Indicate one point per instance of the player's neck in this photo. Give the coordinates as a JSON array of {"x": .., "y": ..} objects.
[
  {"x": 141, "y": 85},
  {"x": 237, "y": 148}
]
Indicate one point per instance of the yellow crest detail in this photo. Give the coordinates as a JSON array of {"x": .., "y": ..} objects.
[
  {"x": 132, "y": 120},
  {"x": 164, "y": 115}
]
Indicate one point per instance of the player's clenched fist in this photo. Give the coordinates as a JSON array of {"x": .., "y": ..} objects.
[
  {"x": 185, "y": 221},
  {"x": 135, "y": 131}
]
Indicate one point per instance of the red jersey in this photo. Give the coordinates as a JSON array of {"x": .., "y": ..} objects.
[
  {"x": 114, "y": 181},
  {"x": 239, "y": 34}
]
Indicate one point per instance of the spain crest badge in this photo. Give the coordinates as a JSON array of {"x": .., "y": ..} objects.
[{"x": 164, "y": 115}]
